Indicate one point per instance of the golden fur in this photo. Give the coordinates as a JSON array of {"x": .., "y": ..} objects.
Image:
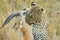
[
  {"x": 27, "y": 31},
  {"x": 34, "y": 15}
]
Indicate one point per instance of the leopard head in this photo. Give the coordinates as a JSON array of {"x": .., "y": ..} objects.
[{"x": 34, "y": 15}]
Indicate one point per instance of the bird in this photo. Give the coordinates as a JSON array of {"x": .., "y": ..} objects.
[{"x": 12, "y": 15}]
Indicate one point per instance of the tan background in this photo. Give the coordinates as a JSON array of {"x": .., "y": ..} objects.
[{"x": 9, "y": 6}]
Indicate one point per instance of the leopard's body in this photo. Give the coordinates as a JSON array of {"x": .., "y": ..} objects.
[{"x": 35, "y": 18}]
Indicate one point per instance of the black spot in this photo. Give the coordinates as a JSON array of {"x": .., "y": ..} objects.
[
  {"x": 36, "y": 21},
  {"x": 24, "y": 13},
  {"x": 24, "y": 9},
  {"x": 42, "y": 9},
  {"x": 33, "y": 35},
  {"x": 39, "y": 21},
  {"x": 34, "y": 12},
  {"x": 41, "y": 37},
  {"x": 38, "y": 37}
]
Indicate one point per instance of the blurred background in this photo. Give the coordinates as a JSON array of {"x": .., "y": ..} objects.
[{"x": 9, "y": 6}]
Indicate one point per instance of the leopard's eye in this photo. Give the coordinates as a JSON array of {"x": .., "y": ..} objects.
[{"x": 32, "y": 16}]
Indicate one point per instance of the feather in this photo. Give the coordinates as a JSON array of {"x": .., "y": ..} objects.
[{"x": 10, "y": 17}]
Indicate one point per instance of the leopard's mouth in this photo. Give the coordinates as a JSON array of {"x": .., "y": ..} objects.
[{"x": 33, "y": 22}]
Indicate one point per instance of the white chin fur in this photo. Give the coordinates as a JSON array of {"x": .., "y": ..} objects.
[{"x": 21, "y": 24}]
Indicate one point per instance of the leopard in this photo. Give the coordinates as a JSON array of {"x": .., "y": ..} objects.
[{"x": 37, "y": 19}]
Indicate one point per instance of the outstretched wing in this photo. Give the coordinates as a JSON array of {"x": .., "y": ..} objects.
[
  {"x": 14, "y": 15},
  {"x": 10, "y": 17}
]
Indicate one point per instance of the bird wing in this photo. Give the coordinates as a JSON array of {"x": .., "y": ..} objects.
[{"x": 10, "y": 17}]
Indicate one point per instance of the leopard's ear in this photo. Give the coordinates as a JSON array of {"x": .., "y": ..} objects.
[
  {"x": 43, "y": 10},
  {"x": 33, "y": 3},
  {"x": 25, "y": 10}
]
